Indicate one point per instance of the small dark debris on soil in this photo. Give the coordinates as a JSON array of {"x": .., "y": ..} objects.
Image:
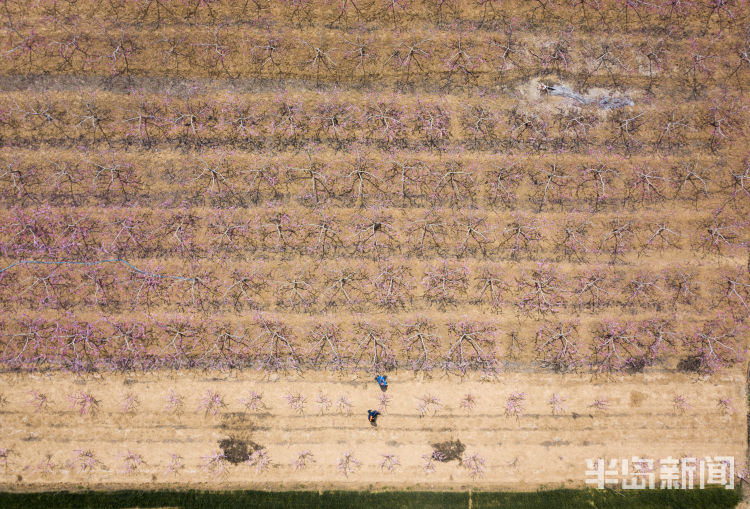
[
  {"x": 236, "y": 450},
  {"x": 448, "y": 451},
  {"x": 690, "y": 364}
]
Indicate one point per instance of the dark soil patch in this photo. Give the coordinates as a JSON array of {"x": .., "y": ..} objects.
[
  {"x": 448, "y": 451},
  {"x": 236, "y": 450}
]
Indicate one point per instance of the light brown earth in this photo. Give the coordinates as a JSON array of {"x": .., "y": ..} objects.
[{"x": 537, "y": 450}]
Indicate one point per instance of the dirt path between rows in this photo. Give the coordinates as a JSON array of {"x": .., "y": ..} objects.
[{"x": 538, "y": 449}]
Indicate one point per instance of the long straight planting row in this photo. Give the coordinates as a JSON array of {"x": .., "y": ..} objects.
[
  {"x": 337, "y": 119},
  {"x": 355, "y": 286},
  {"x": 415, "y": 342},
  {"x": 668, "y": 44},
  {"x": 365, "y": 176}
]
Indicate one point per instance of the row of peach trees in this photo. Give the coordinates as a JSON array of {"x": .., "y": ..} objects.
[
  {"x": 269, "y": 344},
  {"x": 212, "y": 403}
]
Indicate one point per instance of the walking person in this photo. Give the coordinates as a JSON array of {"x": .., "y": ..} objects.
[{"x": 372, "y": 416}]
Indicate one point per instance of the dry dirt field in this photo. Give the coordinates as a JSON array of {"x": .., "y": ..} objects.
[
  {"x": 538, "y": 449},
  {"x": 510, "y": 200}
]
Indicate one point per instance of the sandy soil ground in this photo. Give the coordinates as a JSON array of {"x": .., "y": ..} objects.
[{"x": 538, "y": 449}]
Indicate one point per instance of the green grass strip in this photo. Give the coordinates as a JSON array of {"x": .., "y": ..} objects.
[
  {"x": 714, "y": 498},
  {"x": 606, "y": 499}
]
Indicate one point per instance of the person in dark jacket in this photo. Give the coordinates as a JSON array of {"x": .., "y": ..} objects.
[{"x": 372, "y": 416}]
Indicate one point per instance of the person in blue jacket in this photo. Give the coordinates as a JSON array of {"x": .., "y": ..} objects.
[{"x": 382, "y": 381}]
